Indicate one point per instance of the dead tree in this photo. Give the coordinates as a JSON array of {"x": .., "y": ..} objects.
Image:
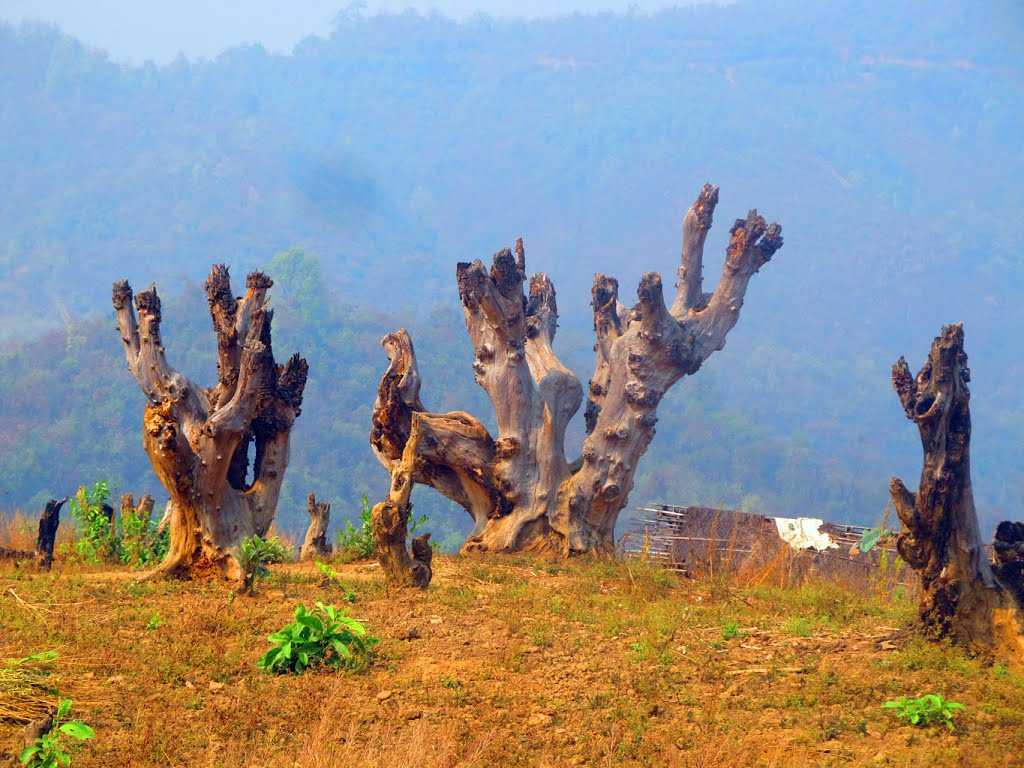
[
  {"x": 518, "y": 487},
  {"x": 315, "y": 544},
  {"x": 47, "y": 536},
  {"x": 961, "y": 595},
  {"x": 198, "y": 439}
]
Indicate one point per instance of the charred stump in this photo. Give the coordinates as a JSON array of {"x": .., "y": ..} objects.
[
  {"x": 518, "y": 487},
  {"x": 198, "y": 439},
  {"x": 962, "y": 596},
  {"x": 315, "y": 544},
  {"x": 47, "y": 536}
]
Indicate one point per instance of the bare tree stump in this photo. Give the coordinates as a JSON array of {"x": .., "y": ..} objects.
[
  {"x": 47, "y": 536},
  {"x": 961, "y": 596},
  {"x": 315, "y": 544},
  {"x": 519, "y": 488},
  {"x": 198, "y": 439}
]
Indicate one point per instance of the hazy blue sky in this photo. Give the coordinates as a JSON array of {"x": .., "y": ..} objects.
[{"x": 135, "y": 30}]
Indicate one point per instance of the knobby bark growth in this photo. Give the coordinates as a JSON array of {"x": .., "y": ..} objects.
[
  {"x": 198, "y": 439},
  {"x": 962, "y": 596},
  {"x": 315, "y": 544},
  {"x": 518, "y": 487}
]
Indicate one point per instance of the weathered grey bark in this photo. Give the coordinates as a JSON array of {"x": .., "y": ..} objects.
[
  {"x": 519, "y": 488},
  {"x": 315, "y": 544},
  {"x": 198, "y": 439},
  {"x": 961, "y": 596},
  {"x": 47, "y": 536}
]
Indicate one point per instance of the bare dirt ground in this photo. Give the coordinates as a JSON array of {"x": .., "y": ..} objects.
[{"x": 510, "y": 662}]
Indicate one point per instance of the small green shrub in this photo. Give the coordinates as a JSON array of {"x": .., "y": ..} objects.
[
  {"x": 139, "y": 543},
  {"x": 356, "y": 542},
  {"x": 930, "y": 709},
  {"x": 322, "y": 637},
  {"x": 731, "y": 630},
  {"x": 256, "y": 553},
  {"x": 797, "y": 626},
  {"x": 51, "y": 749},
  {"x": 97, "y": 536},
  {"x": 331, "y": 576},
  {"x": 131, "y": 539}
]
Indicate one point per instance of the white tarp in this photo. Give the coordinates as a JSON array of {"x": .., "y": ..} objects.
[{"x": 803, "y": 533}]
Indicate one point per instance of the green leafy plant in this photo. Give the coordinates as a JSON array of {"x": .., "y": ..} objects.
[
  {"x": 97, "y": 538},
  {"x": 321, "y": 637},
  {"x": 140, "y": 543},
  {"x": 154, "y": 623},
  {"x": 132, "y": 539},
  {"x": 51, "y": 749},
  {"x": 930, "y": 709},
  {"x": 256, "y": 553},
  {"x": 731, "y": 630},
  {"x": 331, "y": 576},
  {"x": 354, "y": 542}
]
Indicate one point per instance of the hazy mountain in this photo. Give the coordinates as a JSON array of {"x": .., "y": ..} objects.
[{"x": 885, "y": 139}]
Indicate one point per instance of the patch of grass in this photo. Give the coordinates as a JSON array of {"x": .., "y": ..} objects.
[
  {"x": 797, "y": 626},
  {"x": 731, "y": 630},
  {"x": 457, "y": 682}
]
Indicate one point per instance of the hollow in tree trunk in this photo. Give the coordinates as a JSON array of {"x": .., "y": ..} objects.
[
  {"x": 518, "y": 487},
  {"x": 198, "y": 439},
  {"x": 315, "y": 544},
  {"x": 962, "y": 596}
]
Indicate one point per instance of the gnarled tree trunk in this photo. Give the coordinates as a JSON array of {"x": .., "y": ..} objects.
[
  {"x": 198, "y": 439},
  {"x": 961, "y": 595},
  {"x": 519, "y": 488},
  {"x": 315, "y": 544}
]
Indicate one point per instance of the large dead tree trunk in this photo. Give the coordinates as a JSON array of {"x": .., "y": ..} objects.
[
  {"x": 315, "y": 544},
  {"x": 519, "y": 488},
  {"x": 198, "y": 439},
  {"x": 961, "y": 596}
]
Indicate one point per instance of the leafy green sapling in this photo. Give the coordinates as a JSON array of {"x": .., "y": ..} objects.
[
  {"x": 52, "y": 748},
  {"x": 321, "y": 637}
]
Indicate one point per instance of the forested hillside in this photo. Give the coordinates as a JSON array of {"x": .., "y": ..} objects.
[{"x": 360, "y": 168}]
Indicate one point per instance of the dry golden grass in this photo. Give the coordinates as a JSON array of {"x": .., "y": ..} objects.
[
  {"x": 18, "y": 531},
  {"x": 510, "y": 662}
]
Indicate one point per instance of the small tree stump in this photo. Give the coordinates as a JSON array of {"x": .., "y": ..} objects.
[
  {"x": 315, "y": 544},
  {"x": 47, "y": 537}
]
